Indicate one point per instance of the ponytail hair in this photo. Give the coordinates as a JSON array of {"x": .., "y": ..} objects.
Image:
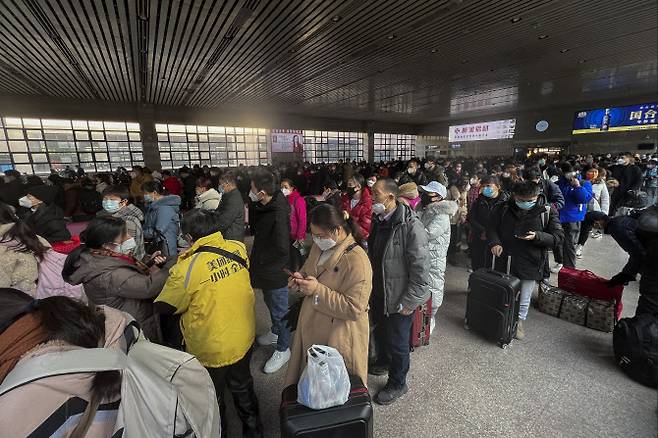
[
  {"x": 21, "y": 236},
  {"x": 328, "y": 217}
]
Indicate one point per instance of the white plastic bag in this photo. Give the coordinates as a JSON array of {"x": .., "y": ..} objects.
[{"x": 324, "y": 382}]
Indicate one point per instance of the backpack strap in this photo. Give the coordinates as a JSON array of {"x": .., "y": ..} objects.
[
  {"x": 545, "y": 217},
  {"x": 224, "y": 253},
  {"x": 86, "y": 360}
]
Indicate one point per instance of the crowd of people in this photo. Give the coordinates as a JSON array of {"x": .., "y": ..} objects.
[{"x": 169, "y": 250}]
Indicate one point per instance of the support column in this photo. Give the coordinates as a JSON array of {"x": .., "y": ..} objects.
[
  {"x": 149, "y": 139},
  {"x": 371, "y": 146}
]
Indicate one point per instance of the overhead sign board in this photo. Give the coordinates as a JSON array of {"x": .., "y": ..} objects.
[
  {"x": 494, "y": 130},
  {"x": 616, "y": 119}
]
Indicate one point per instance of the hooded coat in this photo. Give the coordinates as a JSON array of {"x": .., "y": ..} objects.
[
  {"x": 208, "y": 200},
  {"x": 436, "y": 220},
  {"x": 114, "y": 282},
  {"x": 163, "y": 215}
]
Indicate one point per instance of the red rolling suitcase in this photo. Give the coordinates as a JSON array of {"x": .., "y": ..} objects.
[
  {"x": 354, "y": 419},
  {"x": 420, "y": 326},
  {"x": 492, "y": 306}
]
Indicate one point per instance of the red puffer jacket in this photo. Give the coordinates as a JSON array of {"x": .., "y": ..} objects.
[{"x": 361, "y": 214}]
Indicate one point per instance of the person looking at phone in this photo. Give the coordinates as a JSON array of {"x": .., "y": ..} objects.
[
  {"x": 524, "y": 228},
  {"x": 577, "y": 194},
  {"x": 336, "y": 282}
]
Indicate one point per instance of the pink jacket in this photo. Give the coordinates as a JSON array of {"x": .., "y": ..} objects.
[{"x": 297, "y": 216}]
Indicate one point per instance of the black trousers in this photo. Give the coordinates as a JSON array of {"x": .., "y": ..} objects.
[
  {"x": 478, "y": 249},
  {"x": 237, "y": 377}
]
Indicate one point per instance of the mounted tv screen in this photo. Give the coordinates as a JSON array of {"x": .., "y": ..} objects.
[{"x": 616, "y": 119}]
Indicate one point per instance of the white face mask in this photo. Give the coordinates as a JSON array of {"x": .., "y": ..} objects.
[
  {"x": 286, "y": 192},
  {"x": 127, "y": 246},
  {"x": 473, "y": 181},
  {"x": 25, "y": 202},
  {"x": 254, "y": 196},
  {"x": 324, "y": 244},
  {"x": 411, "y": 171},
  {"x": 371, "y": 183},
  {"x": 378, "y": 208},
  {"x": 621, "y": 161},
  {"x": 554, "y": 178}
]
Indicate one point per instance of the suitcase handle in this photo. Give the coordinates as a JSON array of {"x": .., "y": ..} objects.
[{"x": 509, "y": 263}]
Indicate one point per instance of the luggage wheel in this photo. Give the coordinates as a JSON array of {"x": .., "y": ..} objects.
[{"x": 503, "y": 346}]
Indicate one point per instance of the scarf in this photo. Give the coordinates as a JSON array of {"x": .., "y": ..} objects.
[{"x": 19, "y": 338}]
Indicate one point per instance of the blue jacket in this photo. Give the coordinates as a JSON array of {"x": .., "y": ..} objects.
[
  {"x": 163, "y": 215},
  {"x": 575, "y": 200}
]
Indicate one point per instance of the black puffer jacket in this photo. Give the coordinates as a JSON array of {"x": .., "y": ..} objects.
[
  {"x": 529, "y": 258},
  {"x": 270, "y": 225},
  {"x": 480, "y": 212},
  {"x": 230, "y": 216},
  {"x": 49, "y": 223}
]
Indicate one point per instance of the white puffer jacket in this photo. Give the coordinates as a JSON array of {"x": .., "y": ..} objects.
[
  {"x": 601, "y": 199},
  {"x": 436, "y": 219}
]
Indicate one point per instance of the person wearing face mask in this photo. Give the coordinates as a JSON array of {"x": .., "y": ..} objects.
[
  {"x": 207, "y": 198},
  {"x": 336, "y": 282},
  {"x": 524, "y": 228},
  {"x": 13, "y": 189},
  {"x": 269, "y": 218},
  {"x": 116, "y": 202},
  {"x": 434, "y": 172},
  {"x": 577, "y": 195},
  {"x": 490, "y": 197},
  {"x": 162, "y": 217},
  {"x": 547, "y": 188},
  {"x": 111, "y": 276},
  {"x": 370, "y": 182},
  {"x": 297, "y": 223},
  {"x": 358, "y": 203},
  {"x": 436, "y": 214},
  {"x": 43, "y": 215},
  {"x": 230, "y": 213},
  {"x": 458, "y": 193},
  {"x": 209, "y": 287},
  {"x": 474, "y": 191},
  {"x": 629, "y": 176},
  {"x": 455, "y": 173},
  {"x": 171, "y": 183},
  {"x": 397, "y": 248},
  {"x": 413, "y": 174}
]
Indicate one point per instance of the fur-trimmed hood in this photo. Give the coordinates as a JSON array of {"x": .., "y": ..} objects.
[{"x": 442, "y": 207}]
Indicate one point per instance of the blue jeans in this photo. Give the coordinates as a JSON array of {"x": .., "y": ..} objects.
[
  {"x": 277, "y": 303},
  {"x": 396, "y": 331},
  {"x": 527, "y": 288}
]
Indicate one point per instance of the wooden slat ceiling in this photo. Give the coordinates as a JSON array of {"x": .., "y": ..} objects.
[{"x": 412, "y": 61}]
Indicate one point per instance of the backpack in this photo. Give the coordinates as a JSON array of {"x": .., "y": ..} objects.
[
  {"x": 635, "y": 342},
  {"x": 164, "y": 392}
]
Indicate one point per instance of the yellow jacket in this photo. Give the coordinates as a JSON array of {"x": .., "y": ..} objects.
[{"x": 214, "y": 296}]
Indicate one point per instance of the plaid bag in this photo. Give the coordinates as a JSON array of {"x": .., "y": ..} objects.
[
  {"x": 574, "y": 309},
  {"x": 601, "y": 315},
  {"x": 550, "y": 300}
]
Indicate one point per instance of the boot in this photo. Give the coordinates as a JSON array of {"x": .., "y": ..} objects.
[{"x": 520, "y": 333}]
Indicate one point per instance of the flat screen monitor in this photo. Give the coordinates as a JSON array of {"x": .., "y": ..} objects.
[{"x": 616, "y": 119}]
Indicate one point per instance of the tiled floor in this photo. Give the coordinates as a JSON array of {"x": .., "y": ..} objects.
[{"x": 560, "y": 382}]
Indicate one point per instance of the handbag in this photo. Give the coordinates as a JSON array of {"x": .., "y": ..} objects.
[{"x": 157, "y": 243}]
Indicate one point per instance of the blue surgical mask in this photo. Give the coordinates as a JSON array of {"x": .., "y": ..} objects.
[
  {"x": 489, "y": 192},
  {"x": 148, "y": 198},
  {"x": 111, "y": 205},
  {"x": 525, "y": 205}
]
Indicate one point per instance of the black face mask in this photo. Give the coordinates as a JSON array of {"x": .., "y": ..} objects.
[
  {"x": 426, "y": 199},
  {"x": 351, "y": 191}
]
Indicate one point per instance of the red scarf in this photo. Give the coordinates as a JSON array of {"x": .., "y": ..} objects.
[{"x": 126, "y": 258}]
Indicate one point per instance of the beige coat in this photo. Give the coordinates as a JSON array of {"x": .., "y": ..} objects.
[
  {"x": 462, "y": 200},
  {"x": 336, "y": 314}
]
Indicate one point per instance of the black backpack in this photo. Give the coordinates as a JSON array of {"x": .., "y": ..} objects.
[{"x": 635, "y": 342}]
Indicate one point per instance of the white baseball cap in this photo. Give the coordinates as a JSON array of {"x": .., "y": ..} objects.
[{"x": 435, "y": 187}]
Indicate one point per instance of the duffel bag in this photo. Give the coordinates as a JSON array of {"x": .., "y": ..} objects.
[
  {"x": 588, "y": 284},
  {"x": 601, "y": 315},
  {"x": 635, "y": 342},
  {"x": 574, "y": 309},
  {"x": 550, "y": 300}
]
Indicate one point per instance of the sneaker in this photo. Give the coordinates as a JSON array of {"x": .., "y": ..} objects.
[
  {"x": 268, "y": 338},
  {"x": 377, "y": 370},
  {"x": 390, "y": 393},
  {"x": 579, "y": 251},
  {"x": 556, "y": 268},
  {"x": 432, "y": 325},
  {"x": 596, "y": 235},
  {"x": 278, "y": 359},
  {"x": 520, "y": 333}
]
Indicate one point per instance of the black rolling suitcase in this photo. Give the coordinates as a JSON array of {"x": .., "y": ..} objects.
[
  {"x": 492, "y": 306},
  {"x": 354, "y": 419}
]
